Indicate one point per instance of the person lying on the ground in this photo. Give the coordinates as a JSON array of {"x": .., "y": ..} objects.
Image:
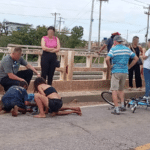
[
  {"x": 48, "y": 98},
  {"x": 9, "y": 69},
  {"x": 32, "y": 101},
  {"x": 16, "y": 99}
]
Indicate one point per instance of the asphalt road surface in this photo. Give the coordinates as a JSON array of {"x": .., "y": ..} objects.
[{"x": 97, "y": 129}]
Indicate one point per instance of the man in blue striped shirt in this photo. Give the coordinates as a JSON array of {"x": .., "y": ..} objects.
[{"x": 120, "y": 55}]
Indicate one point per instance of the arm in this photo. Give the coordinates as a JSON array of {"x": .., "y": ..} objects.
[
  {"x": 102, "y": 48},
  {"x": 58, "y": 47},
  {"x": 44, "y": 48},
  {"x": 30, "y": 104},
  {"x": 14, "y": 77},
  {"x": 141, "y": 50},
  {"x": 108, "y": 61},
  {"x": 7, "y": 67},
  {"x": 134, "y": 61},
  {"x": 144, "y": 56},
  {"x": 28, "y": 66},
  {"x": 40, "y": 90}
]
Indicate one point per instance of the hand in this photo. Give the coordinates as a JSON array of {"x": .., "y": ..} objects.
[
  {"x": 129, "y": 67},
  {"x": 111, "y": 66},
  {"x": 23, "y": 80},
  {"x": 98, "y": 53},
  {"x": 38, "y": 75}
]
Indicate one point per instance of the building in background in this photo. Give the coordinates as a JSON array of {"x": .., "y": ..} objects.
[{"x": 8, "y": 27}]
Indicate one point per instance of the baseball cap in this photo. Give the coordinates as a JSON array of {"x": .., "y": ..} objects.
[
  {"x": 118, "y": 38},
  {"x": 116, "y": 33}
]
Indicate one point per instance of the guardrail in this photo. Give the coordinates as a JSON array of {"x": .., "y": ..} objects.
[{"x": 66, "y": 60}]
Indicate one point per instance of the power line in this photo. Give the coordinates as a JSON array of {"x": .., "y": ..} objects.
[
  {"x": 80, "y": 12},
  {"x": 25, "y": 15},
  {"x": 132, "y": 3},
  {"x": 37, "y": 7},
  {"x": 141, "y": 2},
  {"x": 68, "y": 18}
]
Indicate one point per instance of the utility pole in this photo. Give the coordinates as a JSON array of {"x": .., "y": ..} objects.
[
  {"x": 55, "y": 14},
  {"x": 91, "y": 20},
  {"x": 99, "y": 28},
  {"x": 60, "y": 23},
  {"x": 148, "y": 14}
]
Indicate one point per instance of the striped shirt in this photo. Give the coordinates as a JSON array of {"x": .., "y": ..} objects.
[{"x": 120, "y": 57}]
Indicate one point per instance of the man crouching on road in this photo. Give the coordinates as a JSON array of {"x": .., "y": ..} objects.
[
  {"x": 9, "y": 74},
  {"x": 120, "y": 57}
]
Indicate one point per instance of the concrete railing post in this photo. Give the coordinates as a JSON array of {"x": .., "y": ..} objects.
[
  {"x": 89, "y": 61},
  {"x": 39, "y": 60},
  {"x": 105, "y": 73},
  {"x": 71, "y": 55},
  {"x": 63, "y": 64}
]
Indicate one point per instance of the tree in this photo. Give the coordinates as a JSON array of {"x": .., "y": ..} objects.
[{"x": 76, "y": 36}]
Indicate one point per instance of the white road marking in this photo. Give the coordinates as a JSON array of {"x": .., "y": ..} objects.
[{"x": 100, "y": 105}]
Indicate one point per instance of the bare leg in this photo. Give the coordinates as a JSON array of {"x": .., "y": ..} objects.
[
  {"x": 41, "y": 101},
  {"x": 70, "y": 108},
  {"x": 121, "y": 95},
  {"x": 115, "y": 98},
  {"x": 65, "y": 113}
]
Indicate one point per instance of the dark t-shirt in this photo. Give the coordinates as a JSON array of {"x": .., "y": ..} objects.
[
  {"x": 109, "y": 44},
  {"x": 16, "y": 95},
  {"x": 8, "y": 65}
]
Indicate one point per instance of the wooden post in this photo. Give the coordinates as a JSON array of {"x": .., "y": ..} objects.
[
  {"x": 63, "y": 64},
  {"x": 70, "y": 65},
  {"x": 89, "y": 61}
]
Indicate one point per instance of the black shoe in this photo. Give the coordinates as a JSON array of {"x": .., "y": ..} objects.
[
  {"x": 115, "y": 113},
  {"x": 123, "y": 109}
]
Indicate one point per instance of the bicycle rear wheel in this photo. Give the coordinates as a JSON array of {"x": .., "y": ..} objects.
[{"x": 107, "y": 96}]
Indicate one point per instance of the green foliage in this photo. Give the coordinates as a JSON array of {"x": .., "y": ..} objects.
[
  {"x": 79, "y": 59},
  {"x": 30, "y": 36},
  {"x": 75, "y": 38}
]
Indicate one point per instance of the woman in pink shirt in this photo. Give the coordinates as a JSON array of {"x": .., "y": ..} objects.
[{"x": 50, "y": 46}]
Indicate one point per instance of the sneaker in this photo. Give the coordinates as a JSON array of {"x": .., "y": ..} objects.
[
  {"x": 115, "y": 112},
  {"x": 138, "y": 89},
  {"x": 130, "y": 88},
  {"x": 123, "y": 109},
  {"x": 146, "y": 97}
]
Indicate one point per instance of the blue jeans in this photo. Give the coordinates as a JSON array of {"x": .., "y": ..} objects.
[{"x": 147, "y": 81}]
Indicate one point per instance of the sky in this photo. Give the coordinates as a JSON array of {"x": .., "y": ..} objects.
[{"x": 124, "y": 16}]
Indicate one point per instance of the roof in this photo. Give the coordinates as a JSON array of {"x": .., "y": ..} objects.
[{"x": 15, "y": 23}]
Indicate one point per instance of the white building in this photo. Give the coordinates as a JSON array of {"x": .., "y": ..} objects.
[{"x": 13, "y": 26}]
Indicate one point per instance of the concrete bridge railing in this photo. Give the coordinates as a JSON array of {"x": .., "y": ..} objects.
[{"x": 67, "y": 57}]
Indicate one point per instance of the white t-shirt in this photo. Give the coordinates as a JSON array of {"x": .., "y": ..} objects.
[{"x": 147, "y": 61}]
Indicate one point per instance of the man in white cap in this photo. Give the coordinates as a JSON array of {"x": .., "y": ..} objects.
[{"x": 120, "y": 57}]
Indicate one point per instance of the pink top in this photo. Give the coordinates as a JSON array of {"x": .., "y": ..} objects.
[{"x": 50, "y": 43}]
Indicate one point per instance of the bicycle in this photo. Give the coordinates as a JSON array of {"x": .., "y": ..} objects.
[
  {"x": 107, "y": 97},
  {"x": 135, "y": 102},
  {"x": 132, "y": 103}
]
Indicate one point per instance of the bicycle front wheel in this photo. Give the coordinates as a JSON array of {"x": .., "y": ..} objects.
[{"x": 107, "y": 96}]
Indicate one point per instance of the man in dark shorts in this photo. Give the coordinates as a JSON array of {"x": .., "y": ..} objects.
[{"x": 9, "y": 69}]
